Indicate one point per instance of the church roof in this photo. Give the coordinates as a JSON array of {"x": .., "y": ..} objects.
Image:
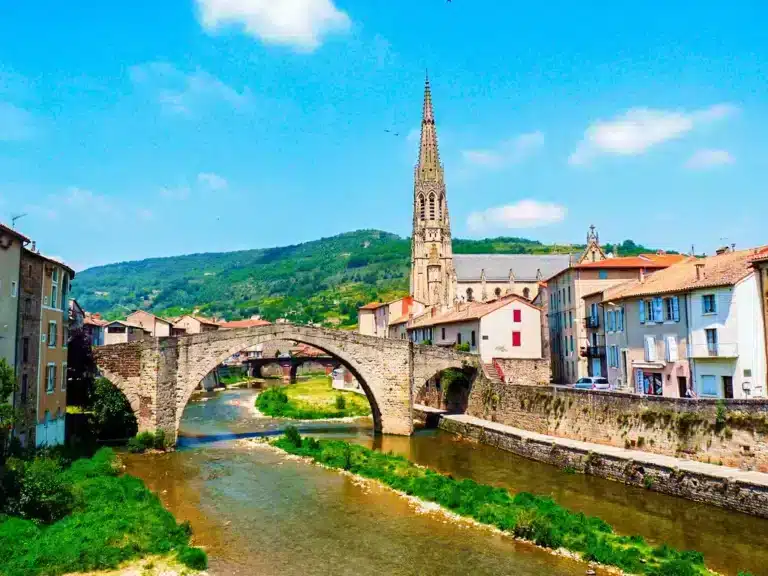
[{"x": 525, "y": 267}]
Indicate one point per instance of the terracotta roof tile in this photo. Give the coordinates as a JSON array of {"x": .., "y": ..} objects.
[
  {"x": 642, "y": 261},
  {"x": 373, "y": 306},
  {"x": 467, "y": 312},
  {"x": 245, "y": 323},
  {"x": 690, "y": 274}
]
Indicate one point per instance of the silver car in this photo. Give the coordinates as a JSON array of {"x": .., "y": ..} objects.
[{"x": 592, "y": 383}]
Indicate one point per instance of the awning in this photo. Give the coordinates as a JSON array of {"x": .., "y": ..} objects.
[{"x": 649, "y": 365}]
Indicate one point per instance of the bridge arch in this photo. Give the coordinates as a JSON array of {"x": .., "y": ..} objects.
[{"x": 158, "y": 376}]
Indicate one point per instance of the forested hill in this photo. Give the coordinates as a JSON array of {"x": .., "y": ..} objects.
[{"x": 321, "y": 281}]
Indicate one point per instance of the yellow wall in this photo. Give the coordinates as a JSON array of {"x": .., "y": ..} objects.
[{"x": 53, "y": 311}]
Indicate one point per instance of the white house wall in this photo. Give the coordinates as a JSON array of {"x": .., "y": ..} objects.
[
  {"x": 498, "y": 327},
  {"x": 749, "y": 327}
]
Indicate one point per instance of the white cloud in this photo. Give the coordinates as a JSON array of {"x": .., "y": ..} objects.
[
  {"x": 639, "y": 129},
  {"x": 144, "y": 214},
  {"x": 82, "y": 199},
  {"x": 523, "y": 214},
  {"x": 180, "y": 92},
  {"x": 301, "y": 24},
  {"x": 212, "y": 181},
  {"x": 705, "y": 159},
  {"x": 509, "y": 152},
  {"x": 15, "y": 123}
]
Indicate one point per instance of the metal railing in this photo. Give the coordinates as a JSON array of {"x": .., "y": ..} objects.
[
  {"x": 595, "y": 352},
  {"x": 592, "y": 321},
  {"x": 713, "y": 350}
]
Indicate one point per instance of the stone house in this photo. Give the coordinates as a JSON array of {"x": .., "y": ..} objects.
[
  {"x": 189, "y": 324},
  {"x": 509, "y": 327},
  {"x": 388, "y": 319},
  {"x": 95, "y": 328},
  {"x": 156, "y": 326},
  {"x": 121, "y": 331}
]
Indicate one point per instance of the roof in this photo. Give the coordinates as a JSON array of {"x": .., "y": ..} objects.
[
  {"x": 525, "y": 267},
  {"x": 51, "y": 259},
  {"x": 641, "y": 261},
  {"x": 150, "y": 314},
  {"x": 9, "y": 230},
  {"x": 690, "y": 274},
  {"x": 373, "y": 306},
  {"x": 127, "y": 324},
  {"x": 250, "y": 323},
  {"x": 199, "y": 319},
  {"x": 467, "y": 312},
  {"x": 402, "y": 320},
  {"x": 761, "y": 255},
  {"x": 92, "y": 320}
]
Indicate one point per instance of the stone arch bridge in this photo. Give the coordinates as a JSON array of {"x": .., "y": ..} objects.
[{"x": 159, "y": 375}]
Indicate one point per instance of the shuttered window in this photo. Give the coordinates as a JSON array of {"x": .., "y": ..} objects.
[{"x": 516, "y": 339}]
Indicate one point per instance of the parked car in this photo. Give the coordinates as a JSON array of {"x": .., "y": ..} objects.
[{"x": 592, "y": 383}]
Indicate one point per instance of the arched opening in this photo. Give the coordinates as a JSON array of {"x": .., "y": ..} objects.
[
  {"x": 432, "y": 206},
  {"x": 527, "y": 293},
  {"x": 422, "y": 207},
  {"x": 470, "y": 295},
  {"x": 335, "y": 359},
  {"x": 448, "y": 390}
]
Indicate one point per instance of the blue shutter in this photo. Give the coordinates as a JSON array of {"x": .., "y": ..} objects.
[
  {"x": 621, "y": 319},
  {"x": 642, "y": 311},
  {"x": 676, "y": 309},
  {"x": 658, "y": 310}
]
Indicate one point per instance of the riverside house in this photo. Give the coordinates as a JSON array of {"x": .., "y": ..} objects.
[{"x": 693, "y": 329}]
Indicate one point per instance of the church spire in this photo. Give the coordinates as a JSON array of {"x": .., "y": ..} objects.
[{"x": 429, "y": 155}]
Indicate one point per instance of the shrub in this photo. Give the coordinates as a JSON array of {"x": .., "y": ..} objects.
[
  {"x": 193, "y": 558},
  {"x": 341, "y": 402},
  {"x": 44, "y": 494},
  {"x": 292, "y": 435},
  {"x": 463, "y": 347},
  {"x": 148, "y": 440}
]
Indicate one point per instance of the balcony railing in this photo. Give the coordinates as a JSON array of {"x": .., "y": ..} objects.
[
  {"x": 592, "y": 321},
  {"x": 594, "y": 351},
  {"x": 718, "y": 350}
]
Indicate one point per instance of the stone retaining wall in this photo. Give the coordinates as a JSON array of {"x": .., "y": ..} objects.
[
  {"x": 727, "y": 493},
  {"x": 732, "y": 433}
]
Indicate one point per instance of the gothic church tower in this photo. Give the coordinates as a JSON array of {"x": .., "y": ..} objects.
[{"x": 432, "y": 273}]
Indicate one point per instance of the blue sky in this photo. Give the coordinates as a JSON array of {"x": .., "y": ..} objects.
[{"x": 145, "y": 128}]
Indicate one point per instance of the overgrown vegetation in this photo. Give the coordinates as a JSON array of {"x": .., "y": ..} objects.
[
  {"x": 524, "y": 515},
  {"x": 60, "y": 519},
  {"x": 324, "y": 281},
  {"x": 312, "y": 400},
  {"x": 7, "y": 413},
  {"x": 149, "y": 441}
]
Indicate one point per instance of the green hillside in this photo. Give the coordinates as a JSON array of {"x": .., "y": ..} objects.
[{"x": 323, "y": 281}]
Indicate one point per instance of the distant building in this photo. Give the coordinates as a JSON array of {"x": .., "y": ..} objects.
[
  {"x": 388, "y": 319},
  {"x": 483, "y": 277},
  {"x": 591, "y": 272},
  {"x": 95, "y": 327},
  {"x": 156, "y": 326},
  {"x": 507, "y": 328},
  {"x": 121, "y": 331},
  {"x": 195, "y": 325},
  {"x": 250, "y": 323}
]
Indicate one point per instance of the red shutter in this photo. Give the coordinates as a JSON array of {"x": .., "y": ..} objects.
[
  {"x": 516, "y": 339},
  {"x": 517, "y": 315}
]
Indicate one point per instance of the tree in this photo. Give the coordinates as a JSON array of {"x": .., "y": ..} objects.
[
  {"x": 112, "y": 416},
  {"x": 7, "y": 413},
  {"x": 81, "y": 369}
]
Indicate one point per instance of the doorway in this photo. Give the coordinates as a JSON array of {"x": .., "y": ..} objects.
[
  {"x": 728, "y": 386},
  {"x": 682, "y": 386},
  {"x": 596, "y": 367}
]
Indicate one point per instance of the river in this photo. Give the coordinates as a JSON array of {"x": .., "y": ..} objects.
[{"x": 258, "y": 513}]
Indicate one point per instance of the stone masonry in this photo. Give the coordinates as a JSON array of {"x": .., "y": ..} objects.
[{"x": 158, "y": 376}]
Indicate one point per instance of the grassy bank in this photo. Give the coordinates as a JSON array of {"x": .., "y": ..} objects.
[
  {"x": 314, "y": 399},
  {"x": 523, "y": 515},
  {"x": 83, "y": 518}
]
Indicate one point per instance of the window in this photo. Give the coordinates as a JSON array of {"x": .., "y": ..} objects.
[
  {"x": 55, "y": 274},
  {"x": 517, "y": 316},
  {"x": 672, "y": 355},
  {"x": 516, "y": 339},
  {"x": 25, "y": 349},
  {"x": 14, "y": 289},
  {"x": 442, "y": 333},
  {"x": 29, "y": 270},
  {"x": 569, "y": 294},
  {"x": 620, "y": 316},
  {"x": 470, "y": 298},
  {"x": 54, "y": 296},
  {"x": 422, "y": 207},
  {"x": 432, "y": 206},
  {"x": 474, "y": 339},
  {"x": 24, "y": 388},
  {"x": 711, "y": 340},
  {"x": 650, "y": 349},
  {"x": 27, "y": 306},
  {"x": 64, "y": 376},
  {"x": 709, "y": 385},
  {"x": 570, "y": 318},
  {"x": 709, "y": 304},
  {"x": 527, "y": 293},
  {"x": 658, "y": 310},
  {"x": 571, "y": 343},
  {"x": 65, "y": 336},
  {"x": 668, "y": 309},
  {"x": 458, "y": 338},
  {"x": 52, "y": 334},
  {"x": 603, "y": 274},
  {"x": 116, "y": 329},
  {"x": 497, "y": 292},
  {"x": 50, "y": 377}
]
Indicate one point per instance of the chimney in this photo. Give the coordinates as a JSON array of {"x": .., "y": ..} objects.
[
  {"x": 699, "y": 270},
  {"x": 434, "y": 312},
  {"x": 642, "y": 275},
  {"x": 34, "y": 246}
]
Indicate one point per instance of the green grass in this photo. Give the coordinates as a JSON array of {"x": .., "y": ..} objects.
[
  {"x": 524, "y": 515},
  {"x": 115, "y": 519},
  {"x": 314, "y": 399}
]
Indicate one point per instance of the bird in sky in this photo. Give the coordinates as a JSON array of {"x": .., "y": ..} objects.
[{"x": 391, "y": 132}]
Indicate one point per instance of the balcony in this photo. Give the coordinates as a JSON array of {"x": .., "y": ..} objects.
[
  {"x": 718, "y": 350},
  {"x": 592, "y": 321},
  {"x": 594, "y": 352}
]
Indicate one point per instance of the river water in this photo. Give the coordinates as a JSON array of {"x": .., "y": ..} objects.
[{"x": 258, "y": 513}]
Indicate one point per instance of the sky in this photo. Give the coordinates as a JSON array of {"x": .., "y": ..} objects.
[{"x": 138, "y": 129}]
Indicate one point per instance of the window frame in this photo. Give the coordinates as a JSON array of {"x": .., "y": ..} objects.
[
  {"x": 63, "y": 376},
  {"x": 517, "y": 339},
  {"x": 704, "y": 299},
  {"x": 50, "y": 378},
  {"x": 53, "y": 342}
]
